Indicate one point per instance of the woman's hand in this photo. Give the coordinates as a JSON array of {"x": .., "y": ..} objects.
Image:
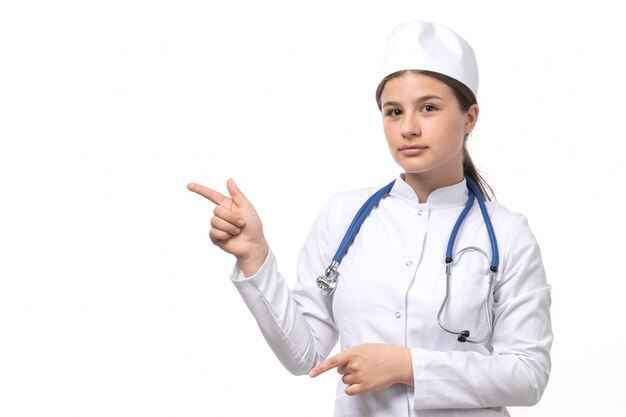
[
  {"x": 236, "y": 227},
  {"x": 370, "y": 367}
]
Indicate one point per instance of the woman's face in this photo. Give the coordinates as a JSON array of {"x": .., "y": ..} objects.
[{"x": 425, "y": 126}]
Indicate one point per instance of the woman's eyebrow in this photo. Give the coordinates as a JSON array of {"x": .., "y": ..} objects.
[
  {"x": 419, "y": 100},
  {"x": 429, "y": 97}
]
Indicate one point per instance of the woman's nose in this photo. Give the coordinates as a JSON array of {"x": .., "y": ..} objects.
[{"x": 410, "y": 127}]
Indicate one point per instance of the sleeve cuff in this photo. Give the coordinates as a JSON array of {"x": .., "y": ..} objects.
[{"x": 238, "y": 276}]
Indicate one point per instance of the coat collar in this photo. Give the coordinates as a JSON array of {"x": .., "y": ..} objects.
[{"x": 451, "y": 195}]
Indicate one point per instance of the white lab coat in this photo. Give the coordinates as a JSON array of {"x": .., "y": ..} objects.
[{"x": 389, "y": 290}]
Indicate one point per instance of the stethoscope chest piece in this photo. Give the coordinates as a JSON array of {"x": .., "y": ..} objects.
[{"x": 328, "y": 281}]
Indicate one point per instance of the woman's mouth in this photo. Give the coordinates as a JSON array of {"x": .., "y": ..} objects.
[{"x": 412, "y": 150}]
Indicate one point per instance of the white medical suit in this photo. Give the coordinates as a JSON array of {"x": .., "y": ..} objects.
[{"x": 390, "y": 287}]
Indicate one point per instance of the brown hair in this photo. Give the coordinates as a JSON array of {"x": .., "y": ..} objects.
[{"x": 465, "y": 98}]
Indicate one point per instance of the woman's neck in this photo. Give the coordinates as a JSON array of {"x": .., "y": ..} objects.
[{"x": 424, "y": 184}]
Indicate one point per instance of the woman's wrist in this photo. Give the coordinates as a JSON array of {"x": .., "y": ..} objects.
[
  {"x": 251, "y": 263},
  {"x": 407, "y": 367}
]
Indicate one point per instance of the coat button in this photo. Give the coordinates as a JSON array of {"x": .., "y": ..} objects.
[
  {"x": 409, "y": 263},
  {"x": 398, "y": 315},
  {"x": 419, "y": 213}
]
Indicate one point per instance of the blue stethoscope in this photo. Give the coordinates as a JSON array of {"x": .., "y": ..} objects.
[{"x": 328, "y": 281}]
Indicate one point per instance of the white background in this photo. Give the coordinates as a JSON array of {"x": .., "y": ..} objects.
[{"x": 112, "y": 300}]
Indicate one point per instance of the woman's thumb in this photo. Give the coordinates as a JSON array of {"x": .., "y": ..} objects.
[{"x": 235, "y": 193}]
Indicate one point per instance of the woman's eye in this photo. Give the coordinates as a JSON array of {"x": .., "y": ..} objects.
[
  {"x": 394, "y": 112},
  {"x": 428, "y": 108}
]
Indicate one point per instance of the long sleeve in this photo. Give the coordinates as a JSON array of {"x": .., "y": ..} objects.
[
  {"x": 298, "y": 325},
  {"x": 516, "y": 371}
]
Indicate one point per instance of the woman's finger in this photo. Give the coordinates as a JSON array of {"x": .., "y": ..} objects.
[
  {"x": 217, "y": 236},
  {"x": 354, "y": 389},
  {"x": 207, "y": 193},
  {"x": 349, "y": 379},
  {"x": 340, "y": 359},
  {"x": 236, "y": 194},
  {"x": 228, "y": 215},
  {"x": 221, "y": 224}
]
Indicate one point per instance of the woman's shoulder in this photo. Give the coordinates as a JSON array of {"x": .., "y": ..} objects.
[
  {"x": 511, "y": 227},
  {"x": 499, "y": 213}
]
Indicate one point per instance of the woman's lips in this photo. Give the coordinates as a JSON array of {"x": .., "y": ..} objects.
[{"x": 412, "y": 150}]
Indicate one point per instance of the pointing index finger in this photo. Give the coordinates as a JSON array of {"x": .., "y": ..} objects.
[
  {"x": 330, "y": 363},
  {"x": 207, "y": 193}
]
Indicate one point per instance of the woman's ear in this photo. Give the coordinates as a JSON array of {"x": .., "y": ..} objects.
[{"x": 472, "y": 117}]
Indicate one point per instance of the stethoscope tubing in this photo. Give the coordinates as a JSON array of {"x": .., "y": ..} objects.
[
  {"x": 495, "y": 254},
  {"x": 328, "y": 281},
  {"x": 464, "y": 335},
  {"x": 358, "y": 221}
]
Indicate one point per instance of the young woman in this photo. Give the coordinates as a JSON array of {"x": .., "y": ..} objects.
[{"x": 439, "y": 300}]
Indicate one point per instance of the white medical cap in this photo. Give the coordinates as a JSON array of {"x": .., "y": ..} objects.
[{"x": 430, "y": 47}]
